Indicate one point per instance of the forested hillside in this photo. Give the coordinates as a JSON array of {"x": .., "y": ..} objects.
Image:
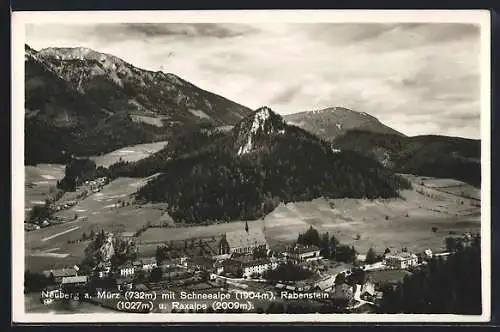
[
  {"x": 432, "y": 155},
  {"x": 218, "y": 182}
]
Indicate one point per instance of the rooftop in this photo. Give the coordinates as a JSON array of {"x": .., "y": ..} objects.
[
  {"x": 148, "y": 260},
  {"x": 326, "y": 283},
  {"x": 401, "y": 255},
  {"x": 301, "y": 249},
  {"x": 64, "y": 272},
  {"x": 203, "y": 261},
  {"x": 74, "y": 280},
  {"x": 241, "y": 238}
]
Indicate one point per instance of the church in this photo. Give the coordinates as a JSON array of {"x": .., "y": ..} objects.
[{"x": 243, "y": 241}]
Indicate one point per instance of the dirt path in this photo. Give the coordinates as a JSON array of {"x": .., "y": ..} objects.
[{"x": 60, "y": 233}]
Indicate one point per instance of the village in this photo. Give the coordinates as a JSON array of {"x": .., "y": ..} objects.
[
  {"x": 307, "y": 275},
  {"x": 46, "y": 217},
  {"x": 239, "y": 261}
]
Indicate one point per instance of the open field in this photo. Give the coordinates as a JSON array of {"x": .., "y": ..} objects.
[
  {"x": 391, "y": 223},
  {"x": 129, "y": 153},
  {"x": 40, "y": 181},
  {"x": 180, "y": 233},
  {"x": 152, "y": 120},
  {"x": 102, "y": 213},
  {"x": 450, "y": 186}
]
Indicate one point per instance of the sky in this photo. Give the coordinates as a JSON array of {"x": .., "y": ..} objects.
[{"x": 418, "y": 78}]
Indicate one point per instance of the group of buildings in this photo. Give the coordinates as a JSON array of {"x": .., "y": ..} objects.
[
  {"x": 97, "y": 184},
  {"x": 241, "y": 254},
  {"x": 92, "y": 185}
]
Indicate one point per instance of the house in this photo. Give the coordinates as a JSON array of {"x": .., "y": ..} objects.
[
  {"x": 102, "y": 181},
  {"x": 124, "y": 284},
  {"x": 127, "y": 235},
  {"x": 202, "y": 263},
  {"x": 127, "y": 269},
  {"x": 29, "y": 227},
  {"x": 246, "y": 266},
  {"x": 74, "y": 281},
  {"x": 137, "y": 265},
  {"x": 173, "y": 272},
  {"x": 361, "y": 258},
  {"x": 400, "y": 260},
  {"x": 325, "y": 284},
  {"x": 301, "y": 253},
  {"x": 230, "y": 266},
  {"x": 258, "y": 266},
  {"x": 243, "y": 241},
  {"x": 59, "y": 274},
  {"x": 148, "y": 263},
  {"x": 103, "y": 271},
  {"x": 219, "y": 267}
]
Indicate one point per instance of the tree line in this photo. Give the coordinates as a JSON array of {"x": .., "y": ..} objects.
[{"x": 451, "y": 285}]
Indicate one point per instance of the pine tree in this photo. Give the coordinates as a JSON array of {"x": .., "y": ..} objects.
[{"x": 371, "y": 256}]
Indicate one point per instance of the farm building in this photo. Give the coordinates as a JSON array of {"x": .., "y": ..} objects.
[
  {"x": 400, "y": 260},
  {"x": 243, "y": 241},
  {"x": 301, "y": 253},
  {"x": 74, "y": 281},
  {"x": 145, "y": 263},
  {"x": 59, "y": 274},
  {"x": 325, "y": 284}
]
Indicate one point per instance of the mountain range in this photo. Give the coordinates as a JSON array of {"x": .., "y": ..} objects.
[
  {"x": 245, "y": 172},
  {"x": 81, "y": 102}
]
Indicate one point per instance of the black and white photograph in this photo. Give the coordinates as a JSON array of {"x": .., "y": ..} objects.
[{"x": 257, "y": 166}]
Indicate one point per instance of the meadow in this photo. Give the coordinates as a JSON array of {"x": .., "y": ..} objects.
[
  {"x": 49, "y": 247},
  {"x": 40, "y": 182},
  {"x": 128, "y": 153}
]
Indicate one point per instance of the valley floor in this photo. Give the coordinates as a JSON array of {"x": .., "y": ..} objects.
[
  {"x": 420, "y": 219},
  {"x": 395, "y": 223}
]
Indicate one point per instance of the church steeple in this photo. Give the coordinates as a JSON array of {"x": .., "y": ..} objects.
[{"x": 246, "y": 226}]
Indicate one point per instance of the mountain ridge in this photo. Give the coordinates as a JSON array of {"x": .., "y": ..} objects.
[
  {"x": 216, "y": 181},
  {"x": 331, "y": 122},
  {"x": 425, "y": 155},
  {"x": 82, "y": 99}
]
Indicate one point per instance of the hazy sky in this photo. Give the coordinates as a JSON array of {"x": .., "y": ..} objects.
[{"x": 416, "y": 78}]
